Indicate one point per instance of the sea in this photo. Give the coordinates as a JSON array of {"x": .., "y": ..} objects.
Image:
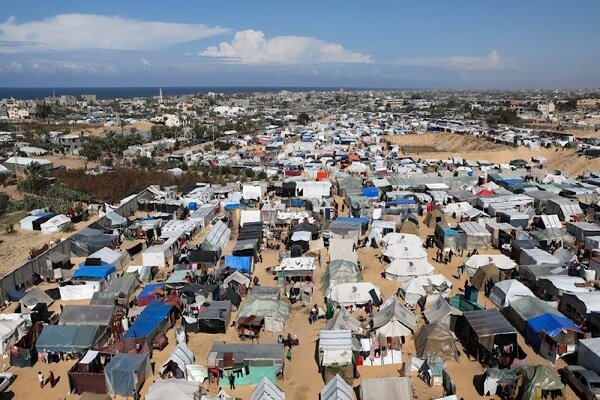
[{"x": 107, "y": 93}]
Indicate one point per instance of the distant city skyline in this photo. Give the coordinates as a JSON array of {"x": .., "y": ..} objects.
[{"x": 435, "y": 44}]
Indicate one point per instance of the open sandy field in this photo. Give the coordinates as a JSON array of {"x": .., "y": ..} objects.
[{"x": 448, "y": 145}]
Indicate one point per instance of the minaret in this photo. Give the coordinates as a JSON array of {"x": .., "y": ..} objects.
[{"x": 160, "y": 98}]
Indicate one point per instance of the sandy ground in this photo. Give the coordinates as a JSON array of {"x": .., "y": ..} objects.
[
  {"x": 302, "y": 380},
  {"x": 449, "y": 145}
]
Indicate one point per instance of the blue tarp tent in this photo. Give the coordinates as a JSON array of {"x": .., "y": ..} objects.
[
  {"x": 399, "y": 202},
  {"x": 370, "y": 191},
  {"x": 96, "y": 272},
  {"x": 242, "y": 264},
  {"x": 148, "y": 293},
  {"x": 511, "y": 181},
  {"x": 126, "y": 373},
  {"x": 151, "y": 321},
  {"x": 296, "y": 202},
  {"x": 450, "y": 232},
  {"x": 551, "y": 324}
]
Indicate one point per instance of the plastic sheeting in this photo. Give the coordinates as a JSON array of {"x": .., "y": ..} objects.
[
  {"x": 275, "y": 312},
  {"x": 436, "y": 340},
  {"x": 267, "y": 390},
  {"x": 241, "y": 263},
  {"x": 386, "y": 388},
  {"x": 86, "y": 315},
  {"x": 69, "y": 338},
  {"x": 150, "y": 321},
  {"x": 394, "y": 319},
  {"x": 337, "y": 389},
  {"x": 172, "y": 389},
  {"x": 126, "y": 373},
  {"x": 340, "y": 271},
  {"x": 504, "y": 292}
]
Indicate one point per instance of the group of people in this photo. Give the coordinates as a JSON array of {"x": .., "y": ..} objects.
[
  {"x": 444, "y": 256},
  {"x": 51, "y": 380}
]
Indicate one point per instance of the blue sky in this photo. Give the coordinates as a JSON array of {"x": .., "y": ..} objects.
[{"x": 419, "y": 44}]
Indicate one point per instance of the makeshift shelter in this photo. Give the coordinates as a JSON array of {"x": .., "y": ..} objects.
[
  {"x": 295, "y": 269},
  {"x": 336, "y": 354},
  {"x": 242, "y": 264},
  {"x": 409, "y": 227},
  {"x": 434, "y": 217},
  {"x": 173, "y": 389},
  {"x": 441, "y": 310},
  {"x": 126, "y": 373},
  {"x": 340, "y": 271},
  {"x": 379, "y": 229},
  {"x": 89, "y": 240},
  {"x": 24, "y": 353},
  {"x": 522, "y": 310},
  {"x": 154, "y": 319},
  {"x": 537, "y": 256},
  {"x": 588, "y": 354},
  {"x": 580, "y": 306},
  {"x": 149, "y": 293},
  {"x": 501, "y": 262},
  {"x": 486, "y": 277},
  {"x": 394, "y": 320},
  {"x": 406, "y": 239},
  {"x": 177, "y": 362},
  {"x": 342, "y": 249},
  {"x": 87, "y": 375},
  {"x": 404, "y": 252},
  {"x": 386, "y": 388},
  {"x": 434, "y": 340},
  {"x": 474, "y": 236},
  {"x": 540, "y": 379},
  {"x": 55, "y": 224},
  {"x": 505, "y": 292},
  {"x": 267, "y": 390},
  {"x": 343, "y": 320},
  {"x": 402, "y": 270},
  {"x": 157, "y": 255},
  {"x": 337, "y": 389},
  {"x": 348, "y": 228},
  {"x": 354, "y": 294},
  {"x": 212, "y": 317},
  {"x": 423, "y": 286},
  {"x": 257, "y": 361},
  {"x": 34, "y": 297},
  {"x": 73, "y": 314},
  {"x": 275, "y": 312},
  {"x": 109, "y": 256},
  {"x": 553, "y": 336},
  {"x": 12, "y": 329},
  {"x": 484, "y": 330},
  {"x": 69, "y": 338}
]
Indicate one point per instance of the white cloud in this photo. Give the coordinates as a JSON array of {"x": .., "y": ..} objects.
[
  {"x": 252, "y": 47},
  {"x": 490, "y": 62},
  {"x": 90, "y": 31}
]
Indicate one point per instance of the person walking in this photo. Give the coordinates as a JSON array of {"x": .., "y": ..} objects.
[
  {"x": 450, "y": 254},
  {"x": 41, "y": 379},
  {"x": 52, "y": 379},
  {"x": 289, "y": 355},
  {"x": 231, "y": 381}
]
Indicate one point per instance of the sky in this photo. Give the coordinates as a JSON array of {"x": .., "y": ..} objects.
[{"x": 428, "y": 44}]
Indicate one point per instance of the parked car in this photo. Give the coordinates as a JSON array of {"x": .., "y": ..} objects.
[
  {"x": 584, "y": 382},
  {"x": 6, "y": 378}
]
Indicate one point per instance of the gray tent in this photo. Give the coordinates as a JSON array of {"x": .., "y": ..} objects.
[
  {"x": 337, "y": 389},
  {"x": 482, "y": 329},
  {"x": 386, "y": 388},
  {"x": 267, "y": 390},
  {"x": 522, "y": 310},
  {"x": 342, "y": 320},
  {"x": 87, "y": 315},
  {"x": 69, "y": 338},
  {"x": 126, "y": 373},
  {"x": 33, "y": 298},
  {"x": 394, "y": 319},
  {"x": 436, "y": 340},
  {"x": 340, "y": 271},
  {"x": 439, "y": 310}
]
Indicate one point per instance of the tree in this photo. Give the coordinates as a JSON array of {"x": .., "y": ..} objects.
[
  {"x": 122, "y": 124},
  {"x": 43, "y": 111},
  {"x": 303, "y": 118}
]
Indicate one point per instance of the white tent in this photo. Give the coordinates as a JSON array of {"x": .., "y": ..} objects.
[
  {"x": 379, "y": 227},
  {"x": 342, "y": 249},
  {"x": 407, "y": 239},
  {"x": 349, "y": 294},
  {"x": 181, "y": 356},
  {"x": 314, "y": 189},
  {"x": 405, "y": 269},
  {"x": 459, "y": 208},
  {"x": 109, "y": 256},
  {"x": 238, "y": 277},
  {"x": 357, "y": 167},
  {"x": 172, "y": 389},
  {"x": 394, "y": 319},
  {"x": 55, "y": 224},
  {"x": 478, "y": 260},
  {"x": 251, "y": 192},
  {"x": 337, "y": 389},
  {"x": 423, "y": 286},
  {"x": 386, "y": 388},
  {"x": 157, "y": 255},
  {"x": 196, "y": 373},
  {"x": 402, "y": 251},
  {"x": 248, "y": 216},
  {"x": 267, "y": 390},
  {"x": 504, "y": 292},
  {"x": 12, "y": 328}
]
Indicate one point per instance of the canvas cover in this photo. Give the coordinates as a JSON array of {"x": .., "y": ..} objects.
[
  {"x": 34, "y": 297},
  {"x": 73, "y": 314},
  {"x": 394, "y": 319},
  {"x": 342, "y": 249},
  {"x": 435, "y": 340},
  {"x": 588, "y": 354},
  {"x": 340, "y": 271},
  {"x": 405, "y": 252},
  {"x": 342, "y": 320},
  {"x": 405, "y": 269},
  {"x": 268, "y": 308},
  {"x": 267, "y": 390},
  {"x": 69, "y": 338},
  {"x": 337, "y": 389},
  {"x": 386, "y": 388},
  {"x": 423, "y": 286},
  {"x": 507, "y": 291},
  {"x": 126, "y": 373},
  {"x": 500, "y": 261},
  {"x": 522, "y": 310},
  {"x": 347, "y": 294},
  {"x": 172, "y": 389},
  {"x": 439, "y": 309}
]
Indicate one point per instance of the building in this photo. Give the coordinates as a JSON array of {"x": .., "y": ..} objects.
[
  {"x": 546, "y": 108},
  {"x": 588, "y": 103}
]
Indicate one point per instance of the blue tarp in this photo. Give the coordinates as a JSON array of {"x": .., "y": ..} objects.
[
  {"x": 242, "y": 264},
  {"x": 147, "y": 290},
  {"x": 149, "y": 322},
  {"x": 370, "y": 191},
  {"x": 450, "y": 232},
  {"x": 231, "y": 206},
  {"x": 296, "y": 202},
  {"x": 363, "y": 221},
  {"x": 550, "y": 323},
  {"x": 511, "y": 181},
  {"x": 399, "y": 202},
  {"x": 96, "y": 272}
]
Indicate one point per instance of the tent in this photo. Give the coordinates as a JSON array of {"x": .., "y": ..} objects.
[
  {"x": 405, "y": 252},
  {"x": 500, "y": 261},
  {"x": 439, "y": 310},
  {"x": 74, "y": 314},
  {"x": 522, "y": 310},
  {"x": 504, "y": 292},
  {"x": 485, "y": 277},
  {"x": 155, "y": 318},
  {"x": 172, "y": 389},
  {"x": 474, "y": 236},
  {"x": 126, "y": 373},
  {"x": 433, "y": 217},
  {"x": 409, "y": 227},
  {"x": 404, "y": 269},
  {"x": 177, "y": 362},
  {"x": 69, "y": 338},
  {"x": 342, "y": 249},
  {"x": 33, "y": 298},
  {"x": 540, "y": 378},
  {"x": 434, "y": 340},
  {"x": 406, "y": 239},
  {"x": 149, "y": 293},
  {"x": 237, "y": 277},
  {"x": 89, "y": 240},
  {"x": 55, "y": 224},
  {"x": 481, "y": 330},
  {"x": 94, "y": 273},
  {"x": 342, "y": 320},
  {"x": 337, "y": 389},
  {"x": 336, "y": 354},
  {"x": 394, "y": 320},
  {"x": 274, "y": 311},
  {"x": 560, "y": 330},
  {"x": 380, "y": 228},
  {"x": 386, "y": 388},
  {"x": 110, "y": 257},
  {"x": 267, "y": 390},
  {"x": 212, "y": 317},
  {"x": 240, "y": 263},
  {"x": 353, "y": 294},
  {"x": 12, "y": 328},
  {"x": 340, "y": 271},
  {"x": 423, "y": 286},
  {"x": 588, "y": 354}
]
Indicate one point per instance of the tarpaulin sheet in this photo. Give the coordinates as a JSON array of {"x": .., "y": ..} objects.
[
  {"x": 99, "y": 272},
  {"x": 241, "y": 263},
  {"x": 149, "y": 321}
]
